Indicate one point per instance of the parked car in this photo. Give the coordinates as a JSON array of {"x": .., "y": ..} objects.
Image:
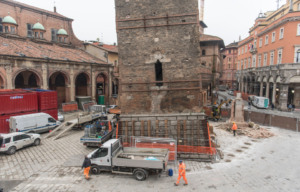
[
  {"x": 60, "y": 117},
  {"x": 230, "y": 93},
  {"x": 33, "y": 123},
  {"x": 11, "y": 142}
]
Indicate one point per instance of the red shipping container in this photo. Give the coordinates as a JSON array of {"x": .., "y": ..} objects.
[
  {"x": 4, "y": 121},
  {"x": 16, "y": 101},
  {"x": 47, "y": 99},
  {"x": 52, "y": 112}
]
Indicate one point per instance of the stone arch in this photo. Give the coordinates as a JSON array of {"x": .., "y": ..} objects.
[
  {"x": 278, "y": 79},
  {"x": 264, "y": 79},
  {"x": 259, "y": 79},
  {"x": 293, "y": 79},
  {"x": 64, "y": 73},
  {"x": 102, "y": 85},
  {"x": 88, "y": 76},
  {"x": 271, "y": 79},
  {"x": 82, "y": 84},
  {"x": 3, "y": 84},
  {"x": 37, "y": 75}
]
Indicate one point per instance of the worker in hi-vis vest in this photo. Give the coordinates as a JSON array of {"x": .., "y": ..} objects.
[
  {"x": 181, "y": 173},
  {"x": 234, "y": 128}
]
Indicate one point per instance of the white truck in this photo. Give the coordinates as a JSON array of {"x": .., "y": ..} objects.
[
  {"x": 33, "y": 123},
  {"x": 139, "y": 162},
  {"x": 260, "y": 102}
]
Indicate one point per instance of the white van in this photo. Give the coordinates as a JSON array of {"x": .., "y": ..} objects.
[
  {"x": 33, "y": 123},
  {"x": 260, "y": 102}
]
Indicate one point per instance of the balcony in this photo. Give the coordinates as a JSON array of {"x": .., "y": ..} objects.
[{"x": 253, "y": 51}]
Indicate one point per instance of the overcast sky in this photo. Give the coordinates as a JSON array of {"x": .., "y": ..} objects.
[{"x": 96, "y": 18}]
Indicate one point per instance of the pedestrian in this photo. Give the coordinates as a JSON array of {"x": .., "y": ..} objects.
[
  {"x": 272, "y": 106},
  {"x": 181, "y": 173},
  {"x": 234, "y": 128},
  {"x": 290, "y": 107},
  {"x": 87, "y": 166},
  {"x": 249, "y": 103}
]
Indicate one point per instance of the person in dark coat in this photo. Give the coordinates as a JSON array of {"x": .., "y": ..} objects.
[
  {"x": 272, "y": 106},
  {"x": 87, "y": 166}
]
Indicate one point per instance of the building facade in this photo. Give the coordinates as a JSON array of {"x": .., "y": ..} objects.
[
  {"x": 269, "y": 59},
  {"x": 38, "y": 49},
  {"x": 230, "y": 66}
]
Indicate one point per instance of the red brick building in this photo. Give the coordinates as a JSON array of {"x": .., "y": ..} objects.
[
  {"x": 38, "y": 48},
  {"x": 229, "y": 65}
]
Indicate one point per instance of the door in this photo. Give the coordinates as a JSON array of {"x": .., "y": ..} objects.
[
  {"x": 42, "y": 124},
  {"x": 18, "y": 141},
  {"x": 51, "y": 123},
  {"x": 26, "y": 140},
  {"x": 101, "y": 157}
]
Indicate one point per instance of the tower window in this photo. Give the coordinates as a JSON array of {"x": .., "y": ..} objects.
[
  {"x": 203, "y": 52},
  {"x": 12, "y": 30},
  {"x": 6, "y": 29},
  {"x": 1, "y": 26},
  {"x": 41, "y": 35},
  {"x": 158, "y": 73},
  {"x": 29, "y": 30},
  {"x": 54, "y": 35}
]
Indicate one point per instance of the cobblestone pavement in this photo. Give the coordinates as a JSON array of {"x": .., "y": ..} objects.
[{"x": 248, "y": 165}]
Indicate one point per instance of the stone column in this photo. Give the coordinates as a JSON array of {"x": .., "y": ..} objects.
[
  {"x": 256, "y": 88},
  {"x": 261, "y": 89},
  {"x": 9, "y": 82},
  {"x": 93, "y": 80},
  {"x": 109, "y": 84},
  {"x": 242, "y": 87},
  {"x": 284, "y": 91},
  {"x": 45, "y": 77},
  {"x": 274, "y": 94},
  {"x": 251, "y": 88},
  {"x": 267, "y": 90},
  {"x": 68, "y": 93},
  {"x": 246, "y": 87},
  {"x": 72, "y": 87}
]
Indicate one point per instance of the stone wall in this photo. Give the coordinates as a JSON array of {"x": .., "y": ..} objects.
[{"x": 165, "y": 32}]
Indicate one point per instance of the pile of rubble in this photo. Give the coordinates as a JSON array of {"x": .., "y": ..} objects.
[{"x": 252, "y": 130}]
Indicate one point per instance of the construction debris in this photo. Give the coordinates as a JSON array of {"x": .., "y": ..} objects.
[{"x": 253, "y": 131}]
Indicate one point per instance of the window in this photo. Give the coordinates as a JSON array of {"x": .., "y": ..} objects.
[
  {"x": 272, "y": 58},
  {"x": 260, "y": 42},
  {"x": 29, "y": 30},
  {"x": 273, "y": 37},
  {"x": 245, "y": 63},
  {"x": 60, "y": 39},
  {"x": 246, "y": 49},
  {"x": 41, "y": 35},
  {"x": 249, "y": 62},
  {"x": 25, "y": 136},
  {"x": 242, "y": 50},
  {"x": 265, "y": 59},
  {"x": 51, "y": 120},
  {"x": 4, "y": 141},
  {"x": 65, "y": 39},
  {"x": 254, "y": 61},
  {"x": 298, "y": 7},
  {"x": 255, "y": 32},
  {"x": 259, "y": 60},
  {"x": 1, "y": 26},
  {"x": 102, "y": 152},
  {"x": 158, "y": 73},
  {"x": 239, "y": 51},
  {"x": 279, "y": 60},
  {"x": 281, "y": 33},
  {"x": 203, "y": 52},
  {"x": 298, "y": 56},
  {"x": 228, "y": 66},
  {"x": 254, "y": 44},
  {"x": 229, "y": 59},
  {"x": 238, "y": 66},
  {"x": 54, "y": 35},
  {"x": 6, "y": 29},
  {"x": 230, "y": 51},
  {"x": 267, "y": 40},
  {"x": 298, "y": 30},
  {"x": 36, "y": 35},
  {"x": 17, "y": 137},
  {"x": 12, "y": 30}
]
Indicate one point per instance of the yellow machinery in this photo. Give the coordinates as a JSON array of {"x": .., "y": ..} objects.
[{"x": 216, "y": 111}]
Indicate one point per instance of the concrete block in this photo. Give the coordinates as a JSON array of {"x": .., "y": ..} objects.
[
  {"x": 147, "y": 118},
  {"x": 181, "y": 117},
  {"x": 125, "y": 119},
  {"x": 173, "y": 122},
  {"x": 201, "y": 117},
  {"x": 192, "y": 117},
  {"x": 138, "y": 123},
  {"x": 173, "y": 132},
  {"x": 137, "y": 128},
  {"x": 137, "y": 133},
  {"x": 194, "y": 156},
  {"x": 134, "y": 119},
  {"x": 202, "y": 156},
  {"x": 168, "y": 118}
]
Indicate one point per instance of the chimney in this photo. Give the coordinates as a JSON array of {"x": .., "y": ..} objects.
[
  {"x": 115, "y": 44},
  {"x": 291, "y": 7},
  {"x": 240, "y": 38},
  {"x": 54, "y": 9}
]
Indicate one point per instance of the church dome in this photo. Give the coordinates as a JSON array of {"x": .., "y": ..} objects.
[
  {"x": 38, "y": 26},
  {"x": 9, "y": 19},
  {"x": 62, "y": 32}
]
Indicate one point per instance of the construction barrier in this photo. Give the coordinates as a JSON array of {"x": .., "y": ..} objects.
[{"x": 72, "y": 106}]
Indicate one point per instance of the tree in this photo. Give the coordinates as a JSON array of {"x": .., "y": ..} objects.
[{"x": 98, "y": 39}]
